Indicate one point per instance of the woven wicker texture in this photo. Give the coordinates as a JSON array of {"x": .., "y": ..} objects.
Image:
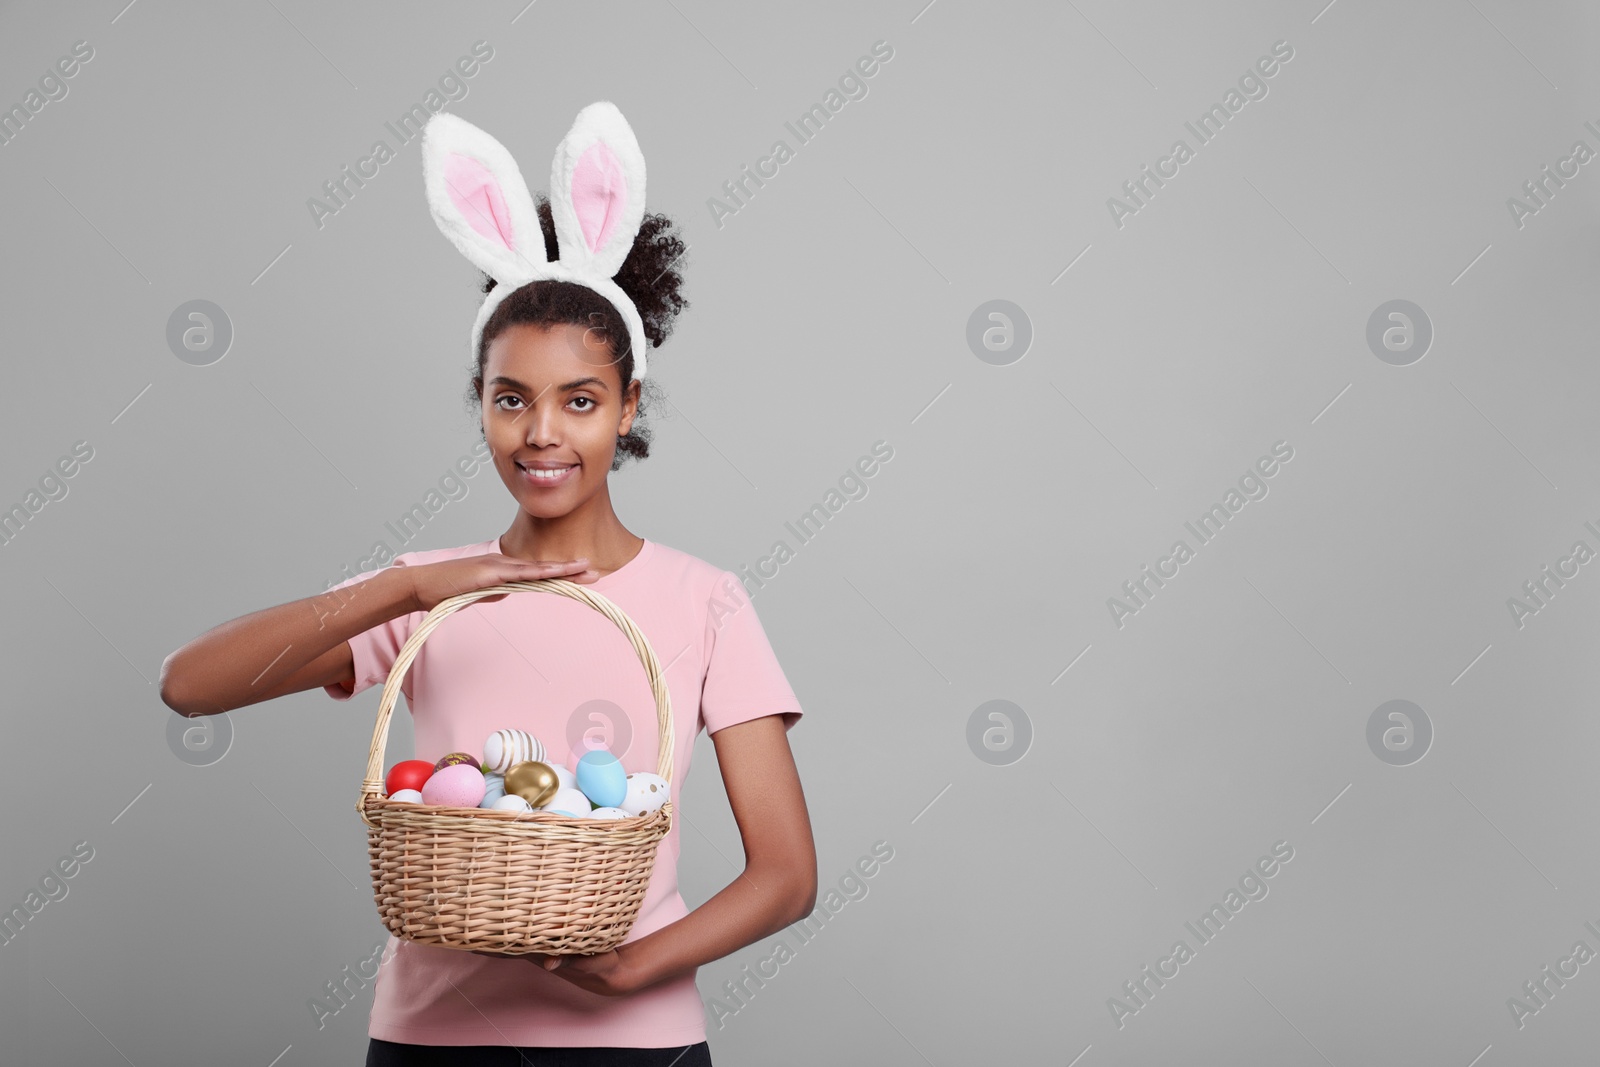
[{"x": 505, "y": 881}]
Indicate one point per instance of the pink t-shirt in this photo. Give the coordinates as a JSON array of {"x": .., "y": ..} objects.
[{"x": 557, "y": 668}]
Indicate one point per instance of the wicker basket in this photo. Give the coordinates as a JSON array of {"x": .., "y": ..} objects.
[{"x": 503, "y": 881}]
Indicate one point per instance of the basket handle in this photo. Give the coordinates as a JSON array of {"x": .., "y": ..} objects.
[{"x": 372, "y": 784}]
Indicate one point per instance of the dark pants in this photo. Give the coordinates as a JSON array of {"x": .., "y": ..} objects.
[{"x": 393, "y": 1054}]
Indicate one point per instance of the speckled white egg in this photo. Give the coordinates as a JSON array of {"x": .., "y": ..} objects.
[
  {"x": 570, "y": 801},
  {"x": 407, "y": 796},
  {"x": 609, "y": 813},
  {"x": 646, "y": 793},
  {"x": 511, "y": 802},
  {"x": 504, "y": 748},
  {"x": 494, "y": 787}
]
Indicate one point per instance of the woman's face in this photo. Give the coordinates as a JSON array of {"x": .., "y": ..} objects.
[{"x": 553, "y": 398}]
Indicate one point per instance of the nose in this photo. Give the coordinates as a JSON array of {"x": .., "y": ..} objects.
[{"x": 543, "y": 419}]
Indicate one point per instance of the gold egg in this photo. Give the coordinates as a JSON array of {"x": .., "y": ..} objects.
[{"x": 533, "y": 781}]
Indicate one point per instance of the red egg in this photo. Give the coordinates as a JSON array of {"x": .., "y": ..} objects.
[{"x": 410, "y": 774}]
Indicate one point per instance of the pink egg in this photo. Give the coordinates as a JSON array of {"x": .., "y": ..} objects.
[{"x": 459, "y": 785}]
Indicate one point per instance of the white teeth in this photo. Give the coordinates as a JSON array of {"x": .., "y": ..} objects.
[{"x": 546, "y": 475}]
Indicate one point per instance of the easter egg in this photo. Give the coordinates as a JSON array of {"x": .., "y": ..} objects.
[
  {"x": 567, "y": 779},
  {"x": 609, "y": 813},
  {"x": 533, "y": 781},
  {"x": 454, "y": 758},
  {"x": 408, "y": 796},
  {"x": 511, "y": 802},
  {"x": 602, "y": 779},
  {"x": 646, "y": 793},
  {"x": 408, "y": 774},
  {"x": 459, "y": 785},
  {"x": 568, "y": 802},
  {"x": 494, "y": 789},
  {"x": 503, "y": 749}
]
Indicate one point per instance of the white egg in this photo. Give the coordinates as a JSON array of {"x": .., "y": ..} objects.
[
  {"x": 571, "y": 801},
  {"x": 646, "y": 793},
  {"x": 609, "y": 813},
  {"x": 503, "y": 748},
  {"x": 407, "y": 796},
  {"x": 564, "y": 776},
  {"x": 511, "y": 802}
]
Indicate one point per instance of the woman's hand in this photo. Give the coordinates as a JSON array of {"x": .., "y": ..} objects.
[
  {"x": 606, "y": 974},
  {"x": 435, "y": 582}
]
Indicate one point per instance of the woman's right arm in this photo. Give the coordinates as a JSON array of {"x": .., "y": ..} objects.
[{"x": 305, "y": 644}]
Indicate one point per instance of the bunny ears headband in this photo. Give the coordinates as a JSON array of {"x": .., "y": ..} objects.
[{"x": 479, "y": 200}]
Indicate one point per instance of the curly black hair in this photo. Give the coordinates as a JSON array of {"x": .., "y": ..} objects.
[{"x": 649, "y": 277}]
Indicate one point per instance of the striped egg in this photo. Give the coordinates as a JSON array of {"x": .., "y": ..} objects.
[
  {"x": 504, "y": 748},
  {"x": 494, "y": 789}
]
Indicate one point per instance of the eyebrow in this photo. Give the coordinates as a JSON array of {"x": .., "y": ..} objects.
[{"x": 576, "y": 383}]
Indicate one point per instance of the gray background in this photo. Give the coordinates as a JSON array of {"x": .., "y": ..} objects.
[{"x": 1229, "y": 314}]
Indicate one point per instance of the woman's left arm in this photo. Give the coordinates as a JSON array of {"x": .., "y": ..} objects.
[
  {"x": 777, "y": 887},
  {"x": 779, "y": 883}
]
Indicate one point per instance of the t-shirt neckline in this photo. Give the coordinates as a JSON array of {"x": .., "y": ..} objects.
[{"x": 607, "y": 580}]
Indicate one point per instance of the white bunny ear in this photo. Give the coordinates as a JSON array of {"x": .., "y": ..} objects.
[
  {"x": 597, "y": 190},
  {"x": 477, "y": 196}
]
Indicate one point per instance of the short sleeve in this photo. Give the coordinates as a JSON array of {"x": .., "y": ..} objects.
[
  {"x": 743, "y": 679},
  {"x": 374, "y": 651}
]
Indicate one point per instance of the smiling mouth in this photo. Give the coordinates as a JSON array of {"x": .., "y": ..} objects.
[{"x": 541, "y": 477}]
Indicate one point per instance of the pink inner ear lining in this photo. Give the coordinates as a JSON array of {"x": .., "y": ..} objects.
[
  {"x": 476, "y": 194},
  {"x": 599, "y": 194}
]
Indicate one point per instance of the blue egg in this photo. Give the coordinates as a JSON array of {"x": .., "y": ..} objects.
[
  {"x": 601, "y": 778},
  {"x": 495, "y": 788}
]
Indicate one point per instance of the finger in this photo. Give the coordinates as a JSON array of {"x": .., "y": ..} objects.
[
  {"x": 549, "y": 963},
  {"x": 570, "y": 569},
  {"x": 545, "y": 568}
]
